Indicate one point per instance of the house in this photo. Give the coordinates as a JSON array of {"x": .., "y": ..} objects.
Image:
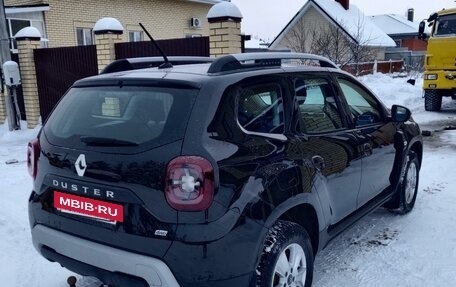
[
  {"x": 70, "y": 22},
  {"x": 404, "y": 31},
  {"x": 335, "y": 29}
]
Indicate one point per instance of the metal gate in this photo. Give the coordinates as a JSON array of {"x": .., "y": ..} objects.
[
  {"x": 198, "y": 46},
  {"x": 58, "y": 68}
]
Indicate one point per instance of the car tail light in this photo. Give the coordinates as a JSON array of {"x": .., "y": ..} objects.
[
  {"x": 189, "y": 183},
  {"x": 33, "y": 152}
]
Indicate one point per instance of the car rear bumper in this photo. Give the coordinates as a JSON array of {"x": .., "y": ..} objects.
[{"x": 123, "y": 265}]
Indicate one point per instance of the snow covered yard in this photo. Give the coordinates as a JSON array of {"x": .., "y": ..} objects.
[{"x": 383, "y": 249}]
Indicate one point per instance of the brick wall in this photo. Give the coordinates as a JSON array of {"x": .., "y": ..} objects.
[
  {"x": 163, "y": 18},
  {"x": 414, "y": 44}
]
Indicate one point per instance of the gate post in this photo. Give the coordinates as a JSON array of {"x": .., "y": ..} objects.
[
  {"x": 28, "y": 39},
  {"x": 225, "y": 29},
  {"x": 108, "y": 31}
]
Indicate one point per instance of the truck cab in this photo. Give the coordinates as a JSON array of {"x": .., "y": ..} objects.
[{"x": 440, "y": 61}]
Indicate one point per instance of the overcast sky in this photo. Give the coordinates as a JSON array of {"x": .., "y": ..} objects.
[{"x": 266, "y": 18}]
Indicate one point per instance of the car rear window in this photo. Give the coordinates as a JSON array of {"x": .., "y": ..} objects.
[{"x": 120, "y": 116}]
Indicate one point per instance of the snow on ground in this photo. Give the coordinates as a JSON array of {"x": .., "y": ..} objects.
[
  {"x": 397, "y": 91},
  {"x": 383, "y": 249}
]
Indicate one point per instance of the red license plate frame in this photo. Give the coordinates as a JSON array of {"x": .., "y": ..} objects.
[{"x": 88, "y": 207}]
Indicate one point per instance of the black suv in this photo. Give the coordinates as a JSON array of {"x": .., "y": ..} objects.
[{"x": 226, "y": 172}]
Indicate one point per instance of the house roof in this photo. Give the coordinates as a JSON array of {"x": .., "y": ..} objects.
[
  {"x": 355, "y": 24},
  {"x": 26, "y": 8},
  {"x": 212, "y": 2},
  {"x": 393, "y": 24}
]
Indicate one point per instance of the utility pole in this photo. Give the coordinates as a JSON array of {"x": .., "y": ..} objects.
[
  {"x": 5, "y": 55},
  {"x": 4, "y": 36}
]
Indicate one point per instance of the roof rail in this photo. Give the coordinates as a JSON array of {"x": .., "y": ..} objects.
[
  {"x": 151, "y": 62},
  {"x": 236, "y": 62}
]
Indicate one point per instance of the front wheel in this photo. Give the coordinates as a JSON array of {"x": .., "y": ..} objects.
[
  {"x": 287, "y": 257},
  {"x": 408, "y": 189}
]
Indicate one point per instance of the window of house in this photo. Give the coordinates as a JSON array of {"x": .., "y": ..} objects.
[
  {"x": 14, "y": 25},
  {"x": 318, "y": 108},
  {"x": 135, "y": 36},
  {"x": 84, "y": 36},
  {"x": 260, "y": 108}
]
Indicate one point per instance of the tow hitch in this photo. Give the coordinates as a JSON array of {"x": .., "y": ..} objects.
[{"x": 72, "y": 282}]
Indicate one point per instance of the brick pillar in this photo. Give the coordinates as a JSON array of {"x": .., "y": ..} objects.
[
  {"x": 108, "y": 32},
  {"x": 106, "y": 49},
  {"x": 225, "y": 29},
  {"x": 28, "y": 39},
  {"x": 2, "y": 106}
]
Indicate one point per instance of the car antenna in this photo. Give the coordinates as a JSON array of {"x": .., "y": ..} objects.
[{"x": 167, "y": 64}]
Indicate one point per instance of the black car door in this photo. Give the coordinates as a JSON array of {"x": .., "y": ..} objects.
[
  {"x": 375, "y": 137},
  {"x": 327, "y": 144}
]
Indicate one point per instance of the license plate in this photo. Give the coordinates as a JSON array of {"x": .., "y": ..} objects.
[{"x": 88, "y": 207}]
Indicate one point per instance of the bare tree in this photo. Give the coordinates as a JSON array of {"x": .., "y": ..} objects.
[
  {"x": 300, "y": 38},
  {"x": 333, "y": 42},
  {"x": 360, "y": 47}
]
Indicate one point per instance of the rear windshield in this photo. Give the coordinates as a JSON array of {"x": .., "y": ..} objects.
[{"x": 120, "y": 116}]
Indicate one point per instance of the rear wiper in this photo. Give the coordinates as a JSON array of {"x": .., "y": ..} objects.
[{"x": 96, "y": 141}]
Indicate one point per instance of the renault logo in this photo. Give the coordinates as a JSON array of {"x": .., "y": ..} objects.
[{"x": 81, "y": 165}]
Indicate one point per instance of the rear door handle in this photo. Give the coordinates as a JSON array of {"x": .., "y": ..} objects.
[{"x": 318, "y": 162}]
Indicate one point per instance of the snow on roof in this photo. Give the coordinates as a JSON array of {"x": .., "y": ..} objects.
[
  {"x": 28, "y": 32},
  {"x": 255, "y": 44},
  {"x": 393, "y": 24},
  {"x": 224, "y": 9},
  {"x": 357, "y": 25},
  {"x": 212, "y": 2},
  {"x": 108, "y": 24}
]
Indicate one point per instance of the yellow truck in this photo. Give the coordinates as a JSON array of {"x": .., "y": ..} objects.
[{"x": 440, "y": 60}]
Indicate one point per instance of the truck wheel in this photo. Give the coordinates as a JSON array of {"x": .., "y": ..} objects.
[
  {"x": 432, "y": 100},
  {"x": 287, "y": 257}
]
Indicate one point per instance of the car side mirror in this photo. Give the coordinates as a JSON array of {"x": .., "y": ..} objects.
[{"x": 400, "y": 114}]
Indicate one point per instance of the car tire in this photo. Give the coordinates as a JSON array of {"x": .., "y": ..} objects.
[
  {"x": 432, "y": 100},
  {"x": 408, "y": 188},
  {"x": 287, "y": 258}
]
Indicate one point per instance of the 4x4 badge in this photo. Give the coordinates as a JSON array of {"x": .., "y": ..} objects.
[{"x": 81, "y": 164}]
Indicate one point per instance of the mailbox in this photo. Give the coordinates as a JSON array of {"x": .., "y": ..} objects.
[{"x": 11, "y": 73}]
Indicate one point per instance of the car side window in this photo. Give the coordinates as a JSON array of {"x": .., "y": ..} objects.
[
  {"x": 260, "y": 108},
  {"x": 318, "y": 109},
  {"x": 364, "y": 108}
]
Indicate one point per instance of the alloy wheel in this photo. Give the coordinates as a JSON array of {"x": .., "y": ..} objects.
[{"x": 291, "y": 267}]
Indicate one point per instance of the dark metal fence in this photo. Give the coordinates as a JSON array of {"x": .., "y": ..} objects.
[
  {"x": 198, "y": 46},
  {"x": 58, "y": 68}
]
